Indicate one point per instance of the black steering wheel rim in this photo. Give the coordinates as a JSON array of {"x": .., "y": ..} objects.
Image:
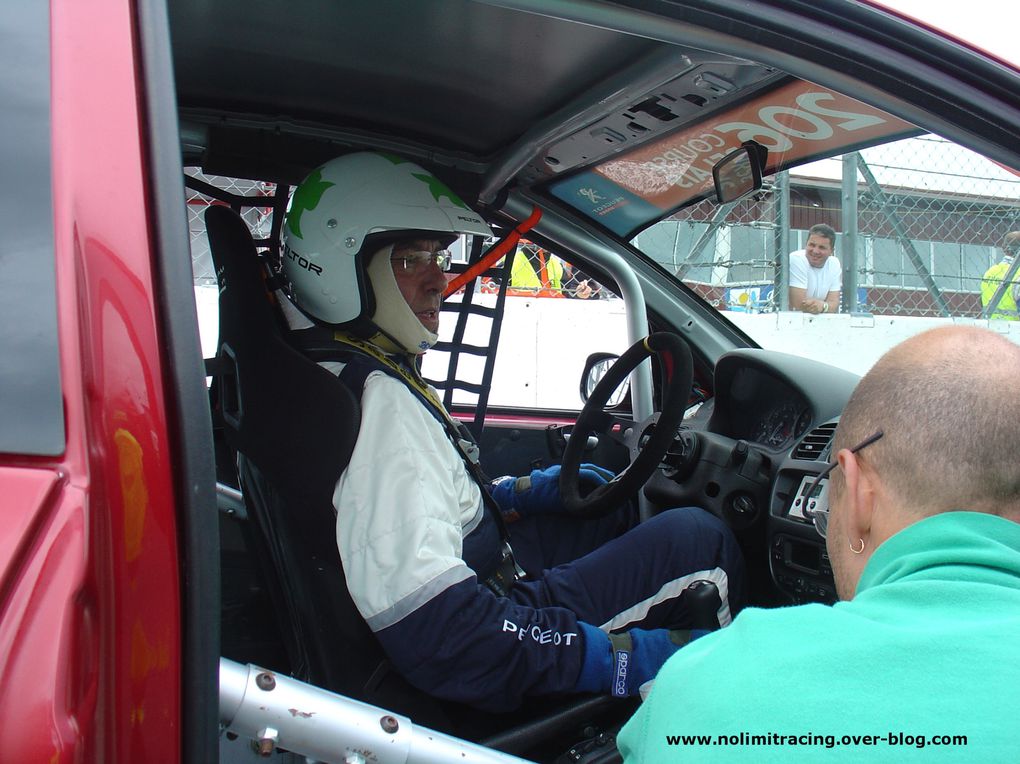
[{"x": 677, "y": 373}]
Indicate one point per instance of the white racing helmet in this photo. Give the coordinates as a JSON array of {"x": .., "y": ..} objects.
[{"x": 350, "y": 208}]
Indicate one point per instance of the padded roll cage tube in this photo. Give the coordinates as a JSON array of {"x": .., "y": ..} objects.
[
  {"x": 276, "y": 710},
  {"x": 501, "y": 247}
]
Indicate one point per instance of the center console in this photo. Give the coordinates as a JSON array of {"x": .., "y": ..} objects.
[{"x": 797, "y": 557}]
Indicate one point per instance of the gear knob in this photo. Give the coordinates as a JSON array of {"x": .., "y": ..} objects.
[{"x": 703, "y": 603}]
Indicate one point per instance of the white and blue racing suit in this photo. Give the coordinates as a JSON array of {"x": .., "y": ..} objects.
[{"x": 409, "y": 515}]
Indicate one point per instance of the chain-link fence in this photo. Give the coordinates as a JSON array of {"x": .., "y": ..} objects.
[
  {"x": 259, "y": 219},
  {"x": 726, "y": 254},
  {"x": 923, "y": 222}
]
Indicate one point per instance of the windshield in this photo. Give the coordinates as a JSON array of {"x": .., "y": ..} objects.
[
  {"x": 923, "y": 234},
  {"x": 867, "y": 230}
]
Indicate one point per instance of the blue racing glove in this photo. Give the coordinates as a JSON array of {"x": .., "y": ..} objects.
[
  {"x": 619, "y": 664},
  {"x": 539, "y": 492}
]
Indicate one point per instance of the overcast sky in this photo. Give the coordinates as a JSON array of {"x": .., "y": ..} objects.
[{"x": 987, "y": 24}]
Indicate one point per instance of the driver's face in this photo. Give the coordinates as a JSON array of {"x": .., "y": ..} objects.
[{"x": 421, "y": 285}]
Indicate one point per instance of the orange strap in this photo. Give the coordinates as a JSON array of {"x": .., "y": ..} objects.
[
  {"x": 489, "y": 258},
  {"x": 543, "y": 276}
]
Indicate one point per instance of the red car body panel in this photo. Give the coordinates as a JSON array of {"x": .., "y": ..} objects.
[
  {"x": 90, "y": 635},
  {"x": 91, "y": 625}
]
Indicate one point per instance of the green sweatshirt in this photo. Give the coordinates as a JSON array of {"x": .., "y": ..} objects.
[{"x": 928, "y": 648}]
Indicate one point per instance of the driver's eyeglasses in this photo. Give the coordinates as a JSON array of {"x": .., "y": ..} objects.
[
  {"x": 820, "y": 515},
  {"x": 414, "y": 262}
]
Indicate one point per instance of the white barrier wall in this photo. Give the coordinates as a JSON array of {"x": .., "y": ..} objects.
[
  {"x": 847, "y": 341},
  {"x": 543, "y": 346}
]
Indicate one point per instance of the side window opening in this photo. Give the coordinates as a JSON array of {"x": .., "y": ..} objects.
[
  {"x": 556, "y": 315},
  {"x": 31, "y": 405}
]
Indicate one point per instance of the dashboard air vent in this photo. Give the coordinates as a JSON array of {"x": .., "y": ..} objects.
[{"x": 814, "y": 442}]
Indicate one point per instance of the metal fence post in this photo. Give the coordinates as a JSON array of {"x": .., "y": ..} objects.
[
  {"x": 902, "y": 236},
  {"x": 781, "y": 237},
  {"x": 848, "y": 251}
]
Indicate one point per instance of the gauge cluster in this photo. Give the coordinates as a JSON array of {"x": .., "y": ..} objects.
[
  {"x": 765, "y": 408},
  {"x": 779, "y": 425}
]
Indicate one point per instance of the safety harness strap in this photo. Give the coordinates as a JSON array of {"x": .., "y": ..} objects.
[{"x": 360, "y": 359}]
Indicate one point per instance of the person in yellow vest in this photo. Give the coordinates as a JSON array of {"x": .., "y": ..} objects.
[
  {"x": 1006, "y": 309},
  {"x": 536, "y": 271}
]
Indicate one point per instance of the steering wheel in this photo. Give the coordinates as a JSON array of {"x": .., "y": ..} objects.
[{"x": 677, "y": 368}]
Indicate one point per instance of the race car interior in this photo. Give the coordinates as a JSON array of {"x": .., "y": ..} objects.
[{"x": 267, "y": 91}]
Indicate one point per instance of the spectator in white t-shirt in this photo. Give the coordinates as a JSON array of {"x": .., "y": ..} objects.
[{"x": 815, "y": 275}]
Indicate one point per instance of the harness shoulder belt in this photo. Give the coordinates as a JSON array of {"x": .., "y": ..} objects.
[{"x": 360, "y": 359}]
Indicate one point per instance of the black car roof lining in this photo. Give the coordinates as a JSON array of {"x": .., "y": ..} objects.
[{"x": 484, "y": 92}]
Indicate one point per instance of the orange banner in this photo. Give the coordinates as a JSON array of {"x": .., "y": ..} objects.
[{"x": 795, "y": 122}]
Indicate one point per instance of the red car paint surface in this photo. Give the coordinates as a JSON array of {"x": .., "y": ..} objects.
[
  {"x": 90, "y": 554},
  {"x": 90, "y": 629}
]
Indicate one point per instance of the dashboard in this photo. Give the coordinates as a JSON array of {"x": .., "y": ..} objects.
[{"x": 747, "y": 454}]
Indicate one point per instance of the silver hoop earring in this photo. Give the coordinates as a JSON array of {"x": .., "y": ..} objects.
[{"x": 857, "y": 551}]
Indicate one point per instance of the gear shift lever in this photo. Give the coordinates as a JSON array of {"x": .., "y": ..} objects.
[{"x": 703, "y": 602}]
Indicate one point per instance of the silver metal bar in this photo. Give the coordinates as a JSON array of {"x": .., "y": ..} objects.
[
  {"x": 231, "y": 501},
  {"x": 641, "y": 398},
  {"x": 848, "y": 252},
  {"x": 277, "y": 711}
]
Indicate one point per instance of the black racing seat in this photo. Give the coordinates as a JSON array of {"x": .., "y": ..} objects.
[{"x": 293, "y": 426}]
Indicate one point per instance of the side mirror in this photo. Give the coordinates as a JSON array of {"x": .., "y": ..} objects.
[
  {"x": 595, "y": 367},
  {"x": 739, "y": 173}
]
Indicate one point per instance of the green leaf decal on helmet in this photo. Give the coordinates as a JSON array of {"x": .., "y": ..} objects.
[
  {"x": 306, "y": 198},
  {"x": 347, "y": 210},
  {"x": 438, "y": 189}
]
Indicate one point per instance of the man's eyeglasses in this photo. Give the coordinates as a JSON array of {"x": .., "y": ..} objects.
[
  {"x": 818, "y": 510},
  {"x": 413, "y": 262}
]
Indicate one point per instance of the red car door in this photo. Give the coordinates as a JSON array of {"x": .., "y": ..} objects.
[{"x": 95, "y": 464}]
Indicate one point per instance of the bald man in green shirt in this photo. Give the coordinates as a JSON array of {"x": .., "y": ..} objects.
[{"x": 919, "y": 661}]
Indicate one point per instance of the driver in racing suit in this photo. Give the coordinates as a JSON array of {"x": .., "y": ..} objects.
[{"x": 422, "y": 537}]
